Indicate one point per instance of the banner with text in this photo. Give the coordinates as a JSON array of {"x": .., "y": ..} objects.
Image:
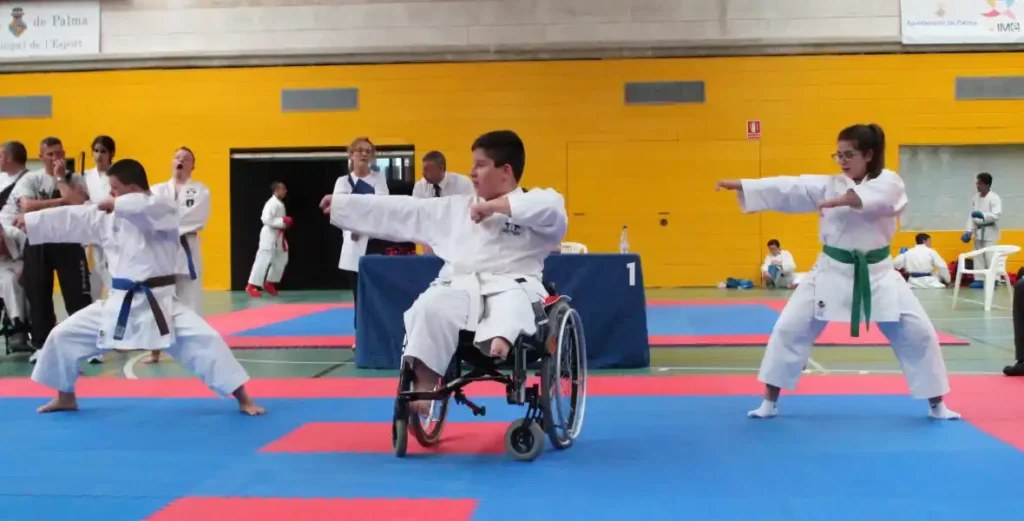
[
  {"x": 49, "y": 29},
  {"x": 961, "y": 21}
]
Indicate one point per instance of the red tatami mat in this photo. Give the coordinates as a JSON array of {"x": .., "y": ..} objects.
[
  {"x": 457, "y": 438},
  {"x": 999, "y": 388},
  {"x": 237, "y": 321},
  {"x": 272, "y": 342},
  {"x": 276, "y": 509}
]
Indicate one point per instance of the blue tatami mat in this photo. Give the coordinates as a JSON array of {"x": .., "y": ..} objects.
[{"x": 694, "y": 457}]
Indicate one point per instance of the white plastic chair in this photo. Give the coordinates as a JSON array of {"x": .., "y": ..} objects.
[
  {"x": 994, "y": 272},
  {"x": 573, "y": 247}
]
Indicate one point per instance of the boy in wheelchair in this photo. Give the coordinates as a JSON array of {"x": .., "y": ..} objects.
[{"x": 494, "y": 245}]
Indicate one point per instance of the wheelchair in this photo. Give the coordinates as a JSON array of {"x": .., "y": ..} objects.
[{"x": 555, "y": 406}]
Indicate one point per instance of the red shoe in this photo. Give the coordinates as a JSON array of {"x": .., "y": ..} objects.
[
  {"x": 270, "y": 288},
  {"x": 253, "y": 291}
]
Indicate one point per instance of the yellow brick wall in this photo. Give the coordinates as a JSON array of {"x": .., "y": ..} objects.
[{"x": 619, "y": 165}]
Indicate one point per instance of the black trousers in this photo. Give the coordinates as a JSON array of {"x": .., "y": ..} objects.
[
  {"x": 1018, "y": 319},
  {"x": 72, "y": 268}
]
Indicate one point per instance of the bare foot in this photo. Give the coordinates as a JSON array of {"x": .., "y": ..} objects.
[
  {"x": 500, "y": 347},
  {"x": 154, "y": 358},
  {"x": 63, "y": 402},
  {"x": 251, "y": 409}
]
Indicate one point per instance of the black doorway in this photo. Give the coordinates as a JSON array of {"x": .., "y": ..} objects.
[{"x": 313, "y": 244}]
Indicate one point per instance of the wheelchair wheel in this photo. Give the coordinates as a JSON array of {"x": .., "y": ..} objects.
[
  {"x": 524, "y": 442},
  {"x": 428, "y": 430},
  {"x": 564, "y": 377},
  {"x": 400, "y": 422}
]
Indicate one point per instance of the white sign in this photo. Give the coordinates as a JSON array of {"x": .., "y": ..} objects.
[
  {"x": 49, "y": 28},
  {"x": 961, "y": 21}
]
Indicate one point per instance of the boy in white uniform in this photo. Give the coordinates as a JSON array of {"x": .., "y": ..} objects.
[
  {"x": 858, "y": 211},
  {"x": 983, "y": 223},
  {"x": 139, "y": 232},
  {"x": 922, "y": 262},
  {"x": 272, "y": 255},
  {"x": 779, "y": 268},
  {"x": 194, "y": 211},
  {"x": 493, "y": 243}
]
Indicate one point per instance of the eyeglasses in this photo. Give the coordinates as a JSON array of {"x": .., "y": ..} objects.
[{"x": 845, "y": 155}]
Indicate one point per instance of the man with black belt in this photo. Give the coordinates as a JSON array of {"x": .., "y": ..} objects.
[
  {"x": 141, "y": 309},
  {"x": 51, "y": 187}
]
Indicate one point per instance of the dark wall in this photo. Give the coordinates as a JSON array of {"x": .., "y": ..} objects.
[{"x": 313, "y": 244}]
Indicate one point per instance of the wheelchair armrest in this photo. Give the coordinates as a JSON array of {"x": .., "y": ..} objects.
[{"x": 550, "y": 288}]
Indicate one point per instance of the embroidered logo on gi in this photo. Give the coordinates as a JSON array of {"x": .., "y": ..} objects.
[
  {"x": 189, "y": 203},
  {"x": 17, "y": 25},
  {"x": 512, "y": 228}
]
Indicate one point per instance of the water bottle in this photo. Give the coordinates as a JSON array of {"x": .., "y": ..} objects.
[{"x": 624, "y": 241}]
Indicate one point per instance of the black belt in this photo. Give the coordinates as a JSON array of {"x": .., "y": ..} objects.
[{"x": 188, "y": 255}]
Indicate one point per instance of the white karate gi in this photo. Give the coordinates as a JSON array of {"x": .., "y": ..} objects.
[
  {"x": 826, "y": 294},
  {"x": 193, "y": 211},
  {"x": 922, "y": 262},
  {"x": 141, "y": 241},
  {"x": 98, "y": 185},
  {"x": 451, "y": 184},
  {"x": 10, "y": 208},
  {"x": 986, "y": 229},
  {"x": 353, "y": 249},
  {"x": 492, "y": 272},
  {"x": 786, "y": 266},
  {"x": 11, "y": 291},
  {"x": 272, "y": 255}
]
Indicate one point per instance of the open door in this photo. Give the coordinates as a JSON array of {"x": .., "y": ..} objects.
[{"x": 314, "y": 246}]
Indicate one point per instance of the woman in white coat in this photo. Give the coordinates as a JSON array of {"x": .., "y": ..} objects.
[
  {"x": 361, "y": 180},
  {"x": 858, "y": 218}
]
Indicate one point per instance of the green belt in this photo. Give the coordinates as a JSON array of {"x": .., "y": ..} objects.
[{"x": 861, "y": 280}]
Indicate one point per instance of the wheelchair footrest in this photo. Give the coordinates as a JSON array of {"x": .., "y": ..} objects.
[{"x": 460, "y": 398}]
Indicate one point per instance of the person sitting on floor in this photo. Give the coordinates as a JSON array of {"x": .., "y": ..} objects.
[
  {"x": 922, "y": 263},
  {"x": 778, "y": 268}
]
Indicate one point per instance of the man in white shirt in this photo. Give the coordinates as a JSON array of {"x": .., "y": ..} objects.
[
  {"x": 921, "y": 262},
  {"x": 439, "y": 182},
  {"x": 983, "y": 223},
  {"x": 778, "y": 268}
]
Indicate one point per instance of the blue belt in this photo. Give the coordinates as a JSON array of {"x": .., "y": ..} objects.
[
  {"x": 188, "y": 256},
  {"x": 132, "y": 287},
  {"x": 919, "y": 275}
]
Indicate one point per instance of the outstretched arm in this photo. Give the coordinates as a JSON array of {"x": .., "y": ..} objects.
[
  {"x": 542, "y": 211},
  {"x": 786, "y": 194},
  {"x": 395, "y": 218},
  {"x": 147, "y": 213},
  {"x": 883, "y": 195},
  {"x": 80, "y": 224}
]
